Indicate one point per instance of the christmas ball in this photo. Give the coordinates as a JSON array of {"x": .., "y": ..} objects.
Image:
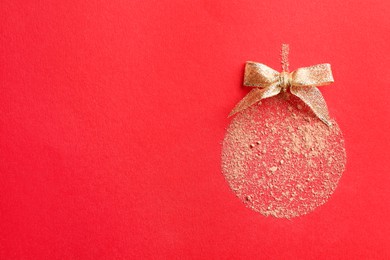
[{"x": 280, "y": 159}]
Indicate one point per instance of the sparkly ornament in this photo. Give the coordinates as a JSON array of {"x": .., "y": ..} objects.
[{"x": 283, "y": 156}]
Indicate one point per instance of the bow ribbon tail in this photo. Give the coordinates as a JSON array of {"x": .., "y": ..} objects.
[
  {"x": 305, "y": 82},
  {"x": 254, "y": 96},
  {"x": 313, "y": 98}
]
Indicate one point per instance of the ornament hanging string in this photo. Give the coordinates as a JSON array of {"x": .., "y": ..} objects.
[{"x": 302, "y": 82}]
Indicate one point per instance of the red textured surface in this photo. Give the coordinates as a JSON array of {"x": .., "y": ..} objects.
[{"x": 112, "y": 115}]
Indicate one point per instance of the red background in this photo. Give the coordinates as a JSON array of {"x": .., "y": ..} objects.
[{"x": 112, "y": 115}]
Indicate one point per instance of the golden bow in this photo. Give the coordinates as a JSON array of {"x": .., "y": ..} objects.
[{"x": 302, "y": 83}]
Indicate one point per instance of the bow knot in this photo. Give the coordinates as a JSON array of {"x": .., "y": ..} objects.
[
  {"x": 302, "y": 83},
  {"x": 285, "y": 80}
]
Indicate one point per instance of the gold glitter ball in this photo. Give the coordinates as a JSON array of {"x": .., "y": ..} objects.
[{"x": 295, "y": 165}]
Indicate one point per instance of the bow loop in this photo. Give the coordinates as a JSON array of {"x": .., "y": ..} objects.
[
  {"x": 259, "y": 75},
  {"x": 317, "y": 75}
]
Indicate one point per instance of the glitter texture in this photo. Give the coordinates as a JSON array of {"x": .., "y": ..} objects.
[{"x": 280, "y": 159}]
